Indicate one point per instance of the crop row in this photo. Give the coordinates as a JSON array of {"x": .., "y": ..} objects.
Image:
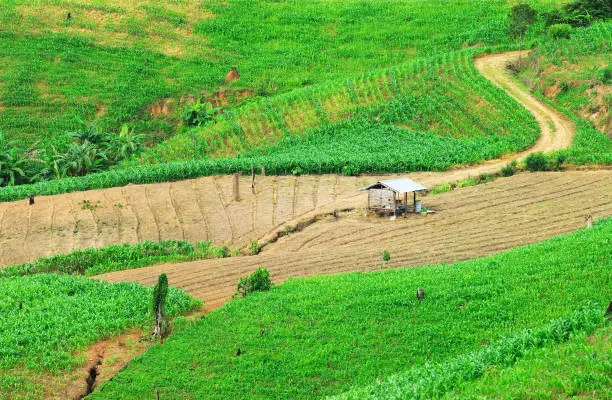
[
  {"x": 444, "y": 96},
  {"x": 329, "y": 334},
  {"x": 117, "y": 257},
  {"x": 46, "y": 317}
]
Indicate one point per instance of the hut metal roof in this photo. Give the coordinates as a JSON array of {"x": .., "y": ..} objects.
[{"x": 401, "y": 185}]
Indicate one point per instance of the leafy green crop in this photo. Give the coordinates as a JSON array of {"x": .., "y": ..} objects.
[
  {"x": 118, "y": 257},
  {"x": 324, "y": 335},
  {"x": 46, "y": 317},
  {"x": 434, "y": 380},
  {"x": 582, "y": 367},
  {"x": 110, "y": 62},
  {"x": 441, "y": 99}
]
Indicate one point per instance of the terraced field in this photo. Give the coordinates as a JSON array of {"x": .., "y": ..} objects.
[
  {"x": 204, "y": 209},
  {"x": 472, "y": 222},
  {"x": 200, "y": 209}
]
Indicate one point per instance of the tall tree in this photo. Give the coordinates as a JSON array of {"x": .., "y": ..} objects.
[
  {"x": 520, "y": 18},
  {"x": 160, "y": 292}
]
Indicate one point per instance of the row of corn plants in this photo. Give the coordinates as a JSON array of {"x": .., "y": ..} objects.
[
  {"x": 441, "y": 84},
  {"x": 328, "y": 335},
  {"x": 100, "y": 260}
]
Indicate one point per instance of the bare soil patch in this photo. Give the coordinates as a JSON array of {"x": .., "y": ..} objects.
[{"x": 473, "y": 222}]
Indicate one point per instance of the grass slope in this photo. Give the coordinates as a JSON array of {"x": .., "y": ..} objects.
[
  {"x": 43, "y": 342},
  {"x": 571, "y": 73},
  {"x": 60, "y": 314},
  {"x": 580, "y": 368},
  {"x": 114, "y": 60},
  {"x": 321, "y": 336},
  {"x": 445, "y": 96},
  {"x": 576, "y": 72}
]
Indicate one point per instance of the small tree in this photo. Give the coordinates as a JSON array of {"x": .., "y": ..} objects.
[
  {"x": 160, "y": 292},
  {"x": 521, "y": 16},
  {"x": 258, "y": 281}
]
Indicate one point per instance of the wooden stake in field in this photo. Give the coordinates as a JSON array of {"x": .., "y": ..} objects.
[
  {"x": 236, "y": 186},
  {"x": 253, "y": 179},
  {"x": 589, "y": 222}
]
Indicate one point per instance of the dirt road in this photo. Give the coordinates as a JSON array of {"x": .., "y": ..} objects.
[{"x": 204, "y": 209}]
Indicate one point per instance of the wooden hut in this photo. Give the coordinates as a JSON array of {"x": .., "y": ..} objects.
[{"x": 392, "y": 196}]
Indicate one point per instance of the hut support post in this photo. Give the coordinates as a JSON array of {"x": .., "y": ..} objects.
[
  {"x": 406, "y": 201},
  {"x": 414, "y": 200}
]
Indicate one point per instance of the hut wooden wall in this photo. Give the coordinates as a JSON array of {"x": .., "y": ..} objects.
[{"x": 381, "y": 198}]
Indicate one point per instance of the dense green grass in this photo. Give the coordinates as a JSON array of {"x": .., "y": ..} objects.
[
  {"x": 433, "y": 380},
  {"x": 444, "y": 96},
  {"x": 118, "y": 257},
  {"x": 324, "y": 335},
  {"x": 61, "y": 314},
  {"x": 113, "y": 59},
  {"x": 581, "y": 368}
]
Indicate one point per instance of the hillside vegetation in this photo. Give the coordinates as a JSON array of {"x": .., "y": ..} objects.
[
  {"x": 85, "y": 84},
  {"x": 435, "y": 97},
  {"x": 580, "y": 368},
  {"x": 575, "y": 71},
  {"x": 47, "y": 320},
  {"x": 324, "y": 335},
  {"x": 119, "y": 62}
]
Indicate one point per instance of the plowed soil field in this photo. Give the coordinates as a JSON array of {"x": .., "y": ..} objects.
[{"x": 471, "y": 222}]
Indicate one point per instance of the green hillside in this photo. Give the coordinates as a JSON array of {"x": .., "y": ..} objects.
[
  {"x": 301, "y": 67},
  {"x": 581, "y": 368},
  {"x": 112, "y": 61},
  {"x": 47, "y": 321},
  {"x": 322, "y": 336},
  {"x": 435, "y": 97}
]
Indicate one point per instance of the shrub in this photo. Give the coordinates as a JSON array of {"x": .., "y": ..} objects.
[
  {"x": 558, "y": 161},
  {"x": 536, "y": 162},
  {"x": 560, "y": 31},
  {"x": 468, "y": 182},
  {"x": 198, "y": 113},
  {"x": 255, "y": 247},
  {"x": 441, "y": 188},
  {"x": 386, "y": 256},
  {"x": 605, "y": 75},
  {"x": 205, "y": 249},
  {"x": 258, "y": 281},
  {"x": 510, "y": 169}
]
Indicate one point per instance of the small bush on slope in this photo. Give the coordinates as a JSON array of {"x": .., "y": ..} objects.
[{"x": 323, "y": 335}]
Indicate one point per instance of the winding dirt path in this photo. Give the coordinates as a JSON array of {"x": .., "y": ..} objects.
[{"x": 204, "y": 208}]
